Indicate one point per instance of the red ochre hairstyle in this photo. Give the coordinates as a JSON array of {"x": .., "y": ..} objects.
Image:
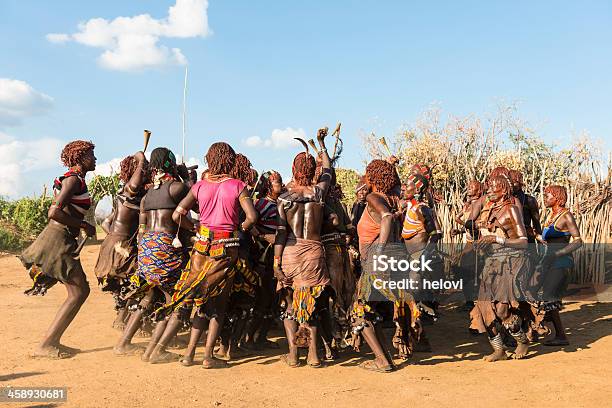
[
  {"x": 382, "y": 175},
  {"x": 74, "y": 152},
  {"x": 220, "y": 158},
  {"x": 242, "y": 169},
  {"x": 304, "y": 166},
  {"x": 559, "y": 192},
  {"x": 128, "y": 165}
]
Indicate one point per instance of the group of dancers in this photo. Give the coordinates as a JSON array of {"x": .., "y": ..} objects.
[{"x": 231, "y": 253}]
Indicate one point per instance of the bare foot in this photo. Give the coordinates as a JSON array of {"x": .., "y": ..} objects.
[
  {"x": 290, "y": 360},
  {"x": 222, "y": 353},
  {"x": 127, "y": 350},
  {"x": 211, "y": 362},
  {"x": 313, "y": 360},
  {"x": 162, "y": 357},
  {"x": 50, "y": 352},
  {"x": 177, "y": 343},
  {"x": 69, "y": 350},
  {"x": 187, "y": 359},
  {"x": 497, "y": 355},
  {"x": 521, "y": 351},
  {"x": 331, "y": 354},
  {"x": 378, "y": 365}
]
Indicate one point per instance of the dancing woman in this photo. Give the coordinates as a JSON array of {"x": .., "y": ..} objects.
[
  {"x": 561, "y": 237},
  {"x": 118, "y": 252},
  {"x": 207, "y": 279},
  {"x": 51, "y": 257},
  {"x": 377, "y": 228},
  {"x": 160, "y": 257}
]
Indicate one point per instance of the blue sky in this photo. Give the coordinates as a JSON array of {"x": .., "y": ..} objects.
[{"x": 270, "y": 65}]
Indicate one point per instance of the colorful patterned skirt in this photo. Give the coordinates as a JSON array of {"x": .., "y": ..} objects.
[
  {"x": 212, "y": 252},
  {"x": 159, "y": 262}
]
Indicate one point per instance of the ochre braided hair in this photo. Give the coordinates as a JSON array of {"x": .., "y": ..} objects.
[
  {"x": 382, "y": 175},
  {"x": 74, "y": 152},
  {"x": 220, "y": 158},
  {"x": 304, "y": 166},
  {"x": 242, "y": 169},
  {"x": 128, "y": 165},
  {"x": 559, "y": 192}
]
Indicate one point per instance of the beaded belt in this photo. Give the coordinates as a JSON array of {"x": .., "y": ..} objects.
[{"x": 214, "y": 242}]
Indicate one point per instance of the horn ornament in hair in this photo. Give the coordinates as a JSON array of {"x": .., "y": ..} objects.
[{"x": 303, "y": 144}]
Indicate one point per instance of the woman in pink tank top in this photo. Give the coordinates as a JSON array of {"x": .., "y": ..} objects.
[{"x": 219, "y": 200}]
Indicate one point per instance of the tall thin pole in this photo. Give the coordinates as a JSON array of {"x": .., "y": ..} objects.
[{"x": 184, "y": 111}]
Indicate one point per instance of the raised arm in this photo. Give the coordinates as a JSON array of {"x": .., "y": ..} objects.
[
  {"x": 326, "y": 175},
  {"x": 138, "y": 177}
]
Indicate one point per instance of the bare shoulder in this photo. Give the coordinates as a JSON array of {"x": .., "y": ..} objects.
[
  {"x": 378, "y": 202},
  {"x": 567, "y": 219}
]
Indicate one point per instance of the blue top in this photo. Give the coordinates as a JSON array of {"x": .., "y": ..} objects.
[{"x": 552, "y": 231}]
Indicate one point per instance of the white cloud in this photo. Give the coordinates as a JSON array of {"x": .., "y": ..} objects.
[
  {"x": 192, "y": 161},
  {"x": 279, "y": 139},
  {"x": 131, "y": 43},
  {"x": 17, "y": 158},
  {"x": 18, "y": 100},
  {"x": 108, "y": 168},
  {"x": 57, "y": 38}
]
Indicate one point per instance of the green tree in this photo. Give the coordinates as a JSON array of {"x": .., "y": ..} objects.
[{"x": 347, "y": 179}]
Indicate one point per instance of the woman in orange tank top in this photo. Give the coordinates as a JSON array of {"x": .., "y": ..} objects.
[{"x": 377, "y": 226}]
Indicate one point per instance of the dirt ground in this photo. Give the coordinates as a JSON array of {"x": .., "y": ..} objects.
[{"x": 453, "y": 375}]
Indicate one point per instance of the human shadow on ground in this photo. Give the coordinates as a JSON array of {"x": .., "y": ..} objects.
[{"x": 15, "y": 376}]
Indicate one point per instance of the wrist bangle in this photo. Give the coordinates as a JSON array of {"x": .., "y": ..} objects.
[{"x": 277, "y": 261}]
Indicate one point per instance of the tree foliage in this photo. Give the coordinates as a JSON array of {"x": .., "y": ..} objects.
[{"x": 347, "y": 179}]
